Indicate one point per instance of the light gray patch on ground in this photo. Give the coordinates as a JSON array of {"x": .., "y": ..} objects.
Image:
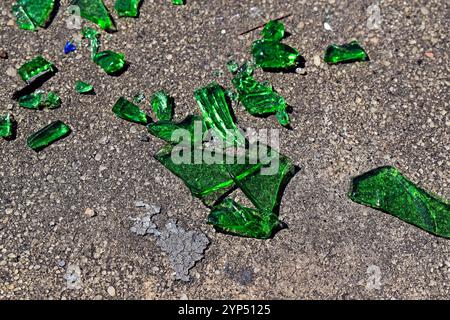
[{"x": 185, "y": 248}]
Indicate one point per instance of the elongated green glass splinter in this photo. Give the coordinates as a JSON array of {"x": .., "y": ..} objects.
[
  {"x": 162, "y": 105},
  {"x": 127, "y": 8},
  {"x": 127, "y": 110},
  {"x": 6, "y": 126},
  {"x": 32, "y": 13},
  {"x": 95, "y": 11},
  {"x": 231, "y": 217},
  {"x": 47, "y": 135},
  {"x": 92, "y": 35},
  {"x": 349, "y": 52},
  {"x": 35, "y": 68},
  {"x": 216, "y": 113},
  {"x": 386, "y": 189}
]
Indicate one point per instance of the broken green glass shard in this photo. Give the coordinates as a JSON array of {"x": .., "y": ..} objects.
[
  {"x": 35, "y": 68},
  {"x": 138, "y": 98},
  {"x": 48, "y": 135},
  {"x": 208, "y": 182},
  {"x": 274, "y": 55},
  {"x": 126, "y": 110},
  {"x": 216, "y": 113},
  {"x": 110, "y": 61},
  {"x": 178, "y": 2},
  {"x": 232, "y": 217},
  {"x": 349, "y": 52},
  {"x": 127, "y": 8},
  {"x": 167, "y": 130},
  {"x": 22, "y": 19},
  {"x": 32, "y": 13},
  {"x": 283, "y": 117},
  {"x": 265, "y": 189},
  {"x": 273, "y": 31},
  {"x": 259, "y": 99},
  {"x": 92, "y": 35},
  {"x": 95, "y": 11},
  {"x": 232, "y": 66},
  {"x": 6, "y": 126},
  {"x": 162, "y": 105},
  {"x": 83, "y": 87},
  {"x": 52, "y": 101},
  {"x": 386, "y": 189},
  {"x": 31, "y": 101}
]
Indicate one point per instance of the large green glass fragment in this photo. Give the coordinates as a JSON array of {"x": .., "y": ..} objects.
[
  {"x": 162, "y": 105},
  {"x": 387, "y": 189},
  {"x": 265, "y": 190},
  {"x": 35, "y": 68},
  {"x": 6, "y": 126},
  {"x": 31, "y": 101},
  {"x": 208, "y": 182},
  {"x": 273, "y": 31},
  {"x": 165, "y": 129},
  {"x": 83, "y": 87},
  {"x": 95, "y": 11},
  {"x": 32, "y": 13},
  {"x": 110, "y": 61},
  {"x": 127, "y": 8},
  {"x": 274, "y": 55},
  {"x": 259, "y": 99},
  {"x": 128, "y": 111},
  {"x": 349, "y": 52},
  {"x": 216, "y": 113},
  {"x": 47, "y": 135},
  {"x": 231, "y": 217}
]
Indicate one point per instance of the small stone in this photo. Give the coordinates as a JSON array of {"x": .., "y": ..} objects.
[
  {"x": 111, "y": 291},
  {"x": 424, "y": 11},
  {"x": 327, "y": 26},
  {"x": 98, "y": 156},
  {"x": 316, "y": 61},
  {"x": 3, "y": 54},
  {"x": 429, "y": 54},
  {"x": 61, "y": 263},
  {"x": 12, "y": 72},
  {"x": 90, "y": 213}
]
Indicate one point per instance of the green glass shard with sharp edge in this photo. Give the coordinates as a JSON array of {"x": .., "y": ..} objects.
[
  {"x": 388, "y": 190},
  {"x": 95, "y": 11},
  {"x": 47, "y": 135},
  {"x": 31, "y": 101},
  {"x": 6, "y": 126},
  {"x": 178, "y": 2},
  {"x": 110, "y": 61},
  {"x": 257, "y": 98},
  {"x": 273, "y": 31},
  {"x": 32, "y": 13},
  {"x": 349, "y": 52},
  {"x": 216, "y": 113},
  {"x": 231, "y": 217},
  {"x": 208, "y": 182},
  {"x": 83, "y": 87},
  {"x": 35, "y": 68},
  {"x": 126, "y": 110},
  {"x": 274, "y": 55},
  {"x": 127, "y": 8},
  {"x": 232, "y": 66},
  {"x": 165, "y": 129},
  {"x": 162, "y": 105},
  {"x": 265, "y": 190},
  {"x": 92, "y": 35},
  {"x": 52, "y": 101}
]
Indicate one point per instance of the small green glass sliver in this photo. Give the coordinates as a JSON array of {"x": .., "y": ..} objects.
[{"x": 349, "y": 52}]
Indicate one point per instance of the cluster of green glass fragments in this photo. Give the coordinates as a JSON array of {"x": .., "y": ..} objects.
[{"x": 384, "y": 188}]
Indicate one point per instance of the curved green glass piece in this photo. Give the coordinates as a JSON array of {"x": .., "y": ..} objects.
[
  {"x": 232, "y": 217},
  {"x": 386, "y": 189}
]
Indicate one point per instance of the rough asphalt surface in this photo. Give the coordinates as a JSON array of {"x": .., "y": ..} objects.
[{"x": 346, "y": 119}]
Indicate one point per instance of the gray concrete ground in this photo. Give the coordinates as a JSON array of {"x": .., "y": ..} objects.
[{"x": 346, "y": 120}]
